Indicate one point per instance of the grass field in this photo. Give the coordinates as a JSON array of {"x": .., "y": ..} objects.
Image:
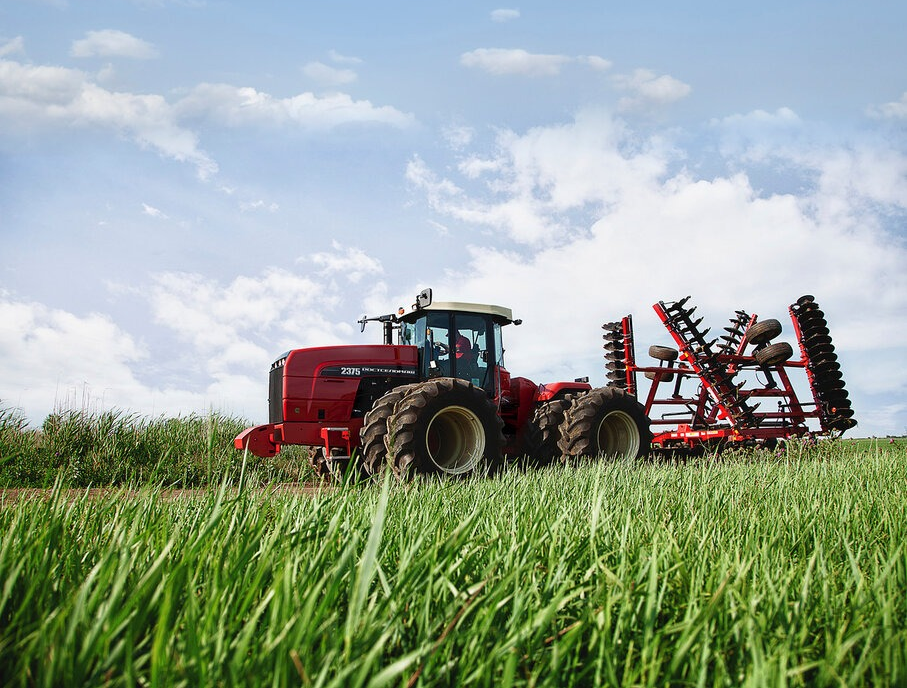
[
  {"x": 83, "y": 448},
  {"x": 746, "y": 569}
]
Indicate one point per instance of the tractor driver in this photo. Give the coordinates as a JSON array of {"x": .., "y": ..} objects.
[{"x": 467, "y": 368}]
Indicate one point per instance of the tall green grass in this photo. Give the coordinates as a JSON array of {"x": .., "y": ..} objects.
[
  {"x": 746, "y": 570},
  {"x": 92, "y": 448}
]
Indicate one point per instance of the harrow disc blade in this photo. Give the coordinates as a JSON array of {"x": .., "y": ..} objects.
[
  {"x": 811, "y": 311},
  {"x": 842, "y": 424},
  {"x": 828, "y": 376},
  {"x": 820, "y": 350},
  {"x": 816, "y": 332},
  {"x": 828, "y": 385},
  {"x": 817, "y": 340},
  {"x": 835, "y": 398}
]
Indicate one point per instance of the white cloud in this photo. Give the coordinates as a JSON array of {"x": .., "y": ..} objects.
[
  {"x": 542, "y": 177},
  {"x": 13, "y": 46},
  {"x": 458, "y": 136},
  {"x": 35, "y": 96},
  {"x": 245, "y": 106},
  {"x": 597, "y": 63},
  {"x": 326, "y": 74},
  {"x": 343, "y": 59},
  {"x": 350, "y": 263},
  {"x": 153, "y": 212},
  {"x": 648, "y": 88},
  {"x": 56, "y": 96},
  {"x": 504, "y": 15},
  {"x": 502, "y": 61},
  {"x": 894, "y": 110},
  {"x": 235, "y": 330},
  {"x": 51, "y": 358},
  {"x": 252, "y": 206},
  {"x": 113, "y": 43}
]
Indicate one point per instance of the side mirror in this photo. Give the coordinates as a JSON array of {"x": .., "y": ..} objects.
[{"x": 423, "y": 300}]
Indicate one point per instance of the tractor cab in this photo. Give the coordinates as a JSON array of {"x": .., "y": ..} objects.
[{"x": 461, "y": 340}]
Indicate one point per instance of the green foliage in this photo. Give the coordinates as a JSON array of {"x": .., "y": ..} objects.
[
  {"x": 753, "y": 570},
  {"x": 82, "y": 448}
]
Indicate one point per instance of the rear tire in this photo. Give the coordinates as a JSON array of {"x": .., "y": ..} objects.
[
  {"x": 544, "y": 430},
  {"x": 445, "y": 426},
  {"x": 605, "y": 422}
]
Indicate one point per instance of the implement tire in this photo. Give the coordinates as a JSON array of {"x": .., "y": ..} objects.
[
  {"x": 444, "y": 426},
  {"x": 763, "y": 331},
  {"x": 605, "y": 422},
  {"x": 374, "y": 430},
  {"x": 773, "y": 354}
]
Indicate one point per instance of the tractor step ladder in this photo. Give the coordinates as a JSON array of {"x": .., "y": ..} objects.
[{"x": 697, "y": 352}]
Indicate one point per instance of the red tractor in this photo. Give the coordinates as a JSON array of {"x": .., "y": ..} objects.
[{"x": 439, "y": 400}]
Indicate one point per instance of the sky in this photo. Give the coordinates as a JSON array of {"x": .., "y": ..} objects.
[{"x": 189, "y": 188}]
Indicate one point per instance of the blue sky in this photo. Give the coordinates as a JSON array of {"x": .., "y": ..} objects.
[{"x": 189, "y": 188}]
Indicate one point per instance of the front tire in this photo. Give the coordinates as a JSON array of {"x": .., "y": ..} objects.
[
  {"x": 374, "y": 430},
  {"x": 605, "y": 422},
  {"x": 445, "y": 426}
]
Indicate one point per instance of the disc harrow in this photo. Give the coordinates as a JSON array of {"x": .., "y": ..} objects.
[{"x": 734, "y": 375}]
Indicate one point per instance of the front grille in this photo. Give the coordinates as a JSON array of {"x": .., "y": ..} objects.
[{"x": 275, "y": 392}]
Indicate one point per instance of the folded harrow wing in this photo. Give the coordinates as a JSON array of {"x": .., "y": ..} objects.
[{"x": 736, "y": 387}]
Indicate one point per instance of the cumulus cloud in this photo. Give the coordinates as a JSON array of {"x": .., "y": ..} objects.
[
  {"x": 540, "y": 179},
  {"x": 645, "y": 230},
  {"x": 245, "y": 106},
  {"x": 113, "y": 43},
  {"x": 13, "y": 46},
  {"x": 339, "y": 58},
  {"x": 259, "y": 205},
  {"x": 504, "y": 15},
  {"x": 49, "y": 355},
  {"x": 325, "y": 74},
  {"x": 56, "y": 96},
  {"x": 458, "y": 136},
  {"x": 647, "y": 88},
  {"x": 33, "y": 96},
  {"x": 236, "y": 329},
  {"x": 153, "y": 212},
  {"x": 350, "y": 263},
  {"x": 515, "y": 61},
  {"x": 597, "y": 63},
  {"x": 893, "y": 110},
  {"x": 503, "y": 61}
]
